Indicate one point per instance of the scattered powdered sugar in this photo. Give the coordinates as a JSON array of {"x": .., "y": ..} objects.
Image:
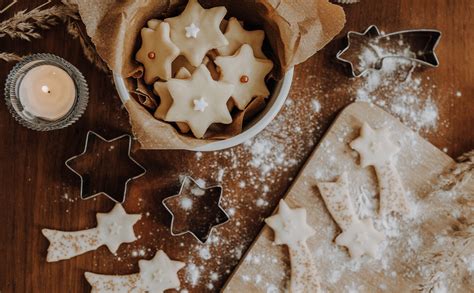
[
  {"x": 409, "y": 97},
  {"x": 193, "y": 273},
  {"x": 186, "y": 203}
]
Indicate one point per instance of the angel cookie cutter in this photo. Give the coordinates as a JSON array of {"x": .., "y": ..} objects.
[
  {"x": 421, "y": 48},
  {"x": 116, "y": 193},
  {"x": 208, "y": 217}
]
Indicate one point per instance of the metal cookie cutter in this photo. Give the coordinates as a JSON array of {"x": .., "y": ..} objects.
[
  {"x": 422, "y": 45},
  {"x": 89, "y": 166},
  {"x": 191, "y": 211}
]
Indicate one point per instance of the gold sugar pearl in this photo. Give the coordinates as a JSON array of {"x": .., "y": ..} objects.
[
  {"x": 151, "y": 55},
  {"x": 244, "y": 79}
]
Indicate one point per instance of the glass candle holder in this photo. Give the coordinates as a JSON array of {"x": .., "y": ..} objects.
[{"x": 45, "y": 92}]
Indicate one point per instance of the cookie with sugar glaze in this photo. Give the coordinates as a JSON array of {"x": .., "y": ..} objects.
[
  {"x": 249, "y": 80},
  {"x": 161, "y": 89},
  {"x": 157, "y": 52},
  {"x": 199, "y": 101},
  {"x": 196, "y": 31},
  {"x": 237, "y": 36}
]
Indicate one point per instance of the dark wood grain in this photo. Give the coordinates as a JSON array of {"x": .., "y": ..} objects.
[{"x": 37, "y": 190}]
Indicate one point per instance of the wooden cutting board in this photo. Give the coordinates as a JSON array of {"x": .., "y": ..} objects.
[{"x": 265, "y": 268}]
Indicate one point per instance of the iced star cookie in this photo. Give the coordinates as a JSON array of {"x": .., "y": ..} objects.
[
  {"x": 247, "y": 73},
  {"x": 157, "y": 52},
  {"x": 237, "y": 36},
  {"x": 196, "y": 31},
  {"x": 199, "y": 101},
  {"x": 113, "y": 229},
  {"x": 161, "y": 89},
  {"x": 156, "y": 275}
]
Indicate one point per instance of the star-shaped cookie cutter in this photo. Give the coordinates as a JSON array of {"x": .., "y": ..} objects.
[
  {"x": 83, "y": 189},
  {"x": 220, "y": 211},
  {"x": 425, "y": 55}
]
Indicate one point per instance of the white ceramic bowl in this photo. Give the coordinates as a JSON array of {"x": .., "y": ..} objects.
[{"x": 274, "y": 105}]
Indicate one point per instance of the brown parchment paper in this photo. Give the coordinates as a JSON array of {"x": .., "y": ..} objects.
[{"x": 296, "y": 29}]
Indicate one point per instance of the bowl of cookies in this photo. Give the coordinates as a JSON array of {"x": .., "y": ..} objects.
[{"x": 206, "y": 75}]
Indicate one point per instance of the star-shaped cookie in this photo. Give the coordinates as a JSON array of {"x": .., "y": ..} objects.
[
  {"x": 161, "y": 89},
  {"x": 156, "y": 275},
  {"x": 290, "y": 225},
  {"x": 247, "y": 73},
  {"x": 160, "y": 273},
  {"x": 361, "y": 238},
  {"x": 200, "y": 87},
  {"x": 196, "y": 31},
  {"x": 157, "y": 52},
  {"x": 116, "y": 227},
  {"x": 374, "y": 146},
  {"x": 237, "y": 36}
]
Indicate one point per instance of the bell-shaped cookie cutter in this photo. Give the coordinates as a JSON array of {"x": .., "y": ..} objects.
[
  {"x": 425, "y": 56},
  {"x": 83, "y": 190}
]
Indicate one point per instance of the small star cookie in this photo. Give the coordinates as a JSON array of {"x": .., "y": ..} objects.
[
  {"x": 211, "y": 97},
  {"x": 374, "y": 146},
  {"x": 196, "y": 31},
  {"x": 161, "y": 89},
  {"x": 157, "y": 52},
  {"x": 249, "y": 80},
  {"x": 237, "y": 36},
  {"x": 290, "y": 225}
]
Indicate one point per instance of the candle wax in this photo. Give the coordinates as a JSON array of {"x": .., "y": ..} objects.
[{"x": 48, "y": 92}]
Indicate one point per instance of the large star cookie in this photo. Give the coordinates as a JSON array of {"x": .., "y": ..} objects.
[
  {"x": 196, "y": 31},
  {"x": 199, "y": 101},
  {"x": 247, "y": 73},
  {"x": 157, "y": 52},
  {"x": 237, "y": 36},
  {"x": 161, "y": 89}
]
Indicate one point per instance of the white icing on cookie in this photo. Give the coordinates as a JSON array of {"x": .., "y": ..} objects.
[
  {"x": 359, "y": 236},
  {"x": 376, "y": 149},
  {"x": 290, "y": 228},
  {"x": 200, "y": 105},
  {"x": 156, "y": 275},
  {"x": 192, "y": 31},
  {"x": 113, "y": 229}
]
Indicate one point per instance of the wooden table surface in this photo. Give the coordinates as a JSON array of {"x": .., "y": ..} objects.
[{"x": 37, "y": 190}]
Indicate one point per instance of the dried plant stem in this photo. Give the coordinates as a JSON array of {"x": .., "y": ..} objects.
[
  {"x": 9, "y": 57},
  {"x": 25, "y": 24},
  {"x": 75, "y": 30}
]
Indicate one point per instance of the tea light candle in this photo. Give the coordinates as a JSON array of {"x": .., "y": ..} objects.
[{"x": 47, "y": 92}]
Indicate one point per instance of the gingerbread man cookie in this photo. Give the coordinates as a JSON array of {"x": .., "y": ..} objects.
[
  {"x": 237, "y": 36},
  {"x": 247, "y": 73},
  {"x": 161, "y": 89},
  {"x": 199, "y": 101},
  {"x": 196, "y": 31},
  {"x": 157, "y": 52}
]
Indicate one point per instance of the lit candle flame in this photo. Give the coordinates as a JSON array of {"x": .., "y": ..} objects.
[{"x": 45, "y": 89}]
